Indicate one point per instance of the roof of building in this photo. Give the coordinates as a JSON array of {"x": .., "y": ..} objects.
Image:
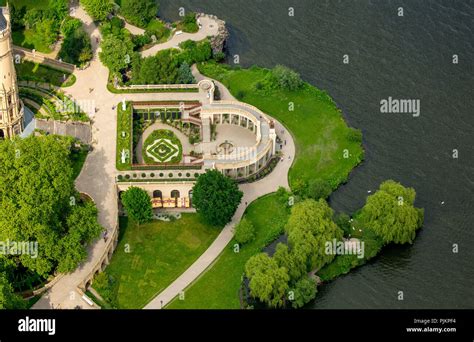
[{"x": 3, "y": 20}]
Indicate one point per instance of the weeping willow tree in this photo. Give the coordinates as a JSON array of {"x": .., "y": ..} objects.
[{"x": 391, "y": 213}]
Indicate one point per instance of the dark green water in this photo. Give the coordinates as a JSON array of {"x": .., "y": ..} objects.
[{"x": 406, "y": 57}]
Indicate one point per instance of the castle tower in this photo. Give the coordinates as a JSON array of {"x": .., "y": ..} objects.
[{"x": 11, "y": 107}]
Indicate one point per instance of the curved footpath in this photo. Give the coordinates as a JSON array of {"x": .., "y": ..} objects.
[{"x": 97, "y": 177}]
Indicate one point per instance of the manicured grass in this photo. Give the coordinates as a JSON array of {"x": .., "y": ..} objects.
[
  {"x": 316, "y": 124},
  {"x": 168, "y": 148},
  {"x": 28, "y": 71},
  {"x": 218, "y": 288},
  {"x": 30, "y": 40},
  {"x": 159, "y": 252}
]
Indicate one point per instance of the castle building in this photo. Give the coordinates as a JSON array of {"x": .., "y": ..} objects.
[{"x": 11, "y": 107}]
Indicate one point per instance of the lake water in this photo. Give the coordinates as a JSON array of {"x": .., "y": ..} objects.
[{"x": 407, "y": 57}]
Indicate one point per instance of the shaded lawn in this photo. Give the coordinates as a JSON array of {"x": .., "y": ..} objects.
[
  {"x": 159, "y": 253},
  {"x": 218, "y": 288},
  {"x": 28, "y": 71}
]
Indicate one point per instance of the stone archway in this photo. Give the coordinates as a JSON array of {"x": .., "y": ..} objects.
[{"x": 157, "y": 194}]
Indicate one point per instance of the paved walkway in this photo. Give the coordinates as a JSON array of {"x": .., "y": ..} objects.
[
  {"x": 97, "y": 177},
  {"x": 209, "y": 28}
]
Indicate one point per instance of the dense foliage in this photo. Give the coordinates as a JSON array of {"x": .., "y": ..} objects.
[
  {"x": 244, "y": 232},
  {"x": 38, "y": 204},
  {"x": 42, "y": 25},
  {"x": 391, "y": 214},
  {"x": 98, "y": 9},
  {"x": 137, "y": 203},
  {"x": 76, "y": 48},
  {"x": 216, "y": 197},
  {"x": 139, "y": 12},
  {"x": 188, "y": 23}
]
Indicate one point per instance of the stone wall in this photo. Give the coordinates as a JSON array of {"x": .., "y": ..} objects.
[{"x": 78, "y": 130}]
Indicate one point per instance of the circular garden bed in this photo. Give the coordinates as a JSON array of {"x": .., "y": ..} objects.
[{"x": 162, "y": 146}]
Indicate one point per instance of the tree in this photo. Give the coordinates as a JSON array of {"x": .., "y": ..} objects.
[
  {"x": 216, "y": 197},
  {"x": 59, "y": 7},
  {"x": 185, "y": 76},
  {"x": 286, "y": 79},
  {"x": 244, "y": 232},
  {"x": 83, "y": 228},
  {"x": 268, "y": 281},
  {"x": 139, "y": 12},
  {"x": 318, "y": 188},
  {"x": 116, "y": 53},
  {"x": 45, "y": 31},
  {"x": 309, "y": 227},
  {"x": 304, "y": 291},
  {"x": 391, "y": 214},
  {"x": 137, "y": 203},
  {"x": 76, "y": 47},
  {"x": 8, "y": 299},
  {"x": 98, "y": 9},
  {"x": 291, "y": 261},
  {"x": 38, "y": 203}
]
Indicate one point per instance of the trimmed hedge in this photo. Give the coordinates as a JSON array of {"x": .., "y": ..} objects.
[{"x": 162, "y": 134}]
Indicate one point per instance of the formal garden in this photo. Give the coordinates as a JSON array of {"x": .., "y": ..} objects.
[{"x": 162, "y": 146}]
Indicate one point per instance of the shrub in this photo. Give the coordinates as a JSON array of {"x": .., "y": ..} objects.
[
  {"x": 244, "y": 232},
  {"x": 286, "y": 79}
]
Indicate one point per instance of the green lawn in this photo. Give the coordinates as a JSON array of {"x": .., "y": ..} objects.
[
  {"x": 320, "y": 133},
  {"x": 218, "y": 288},
  {"x": 159, "y": 253},
  {"x": 28, "y": 71}
]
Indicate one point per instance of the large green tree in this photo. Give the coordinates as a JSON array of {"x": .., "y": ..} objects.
[
  {"x": 216, "y": 197},
  {"x": 76, "y": 47},
  {"x": 116, "y": 53},
  {"x": 268, "y": 281},
  {"x": 139, "y": 12},
  {"x": 38, "y": 203},
  {"x": 137, "y": 203},
  {"x": 98, "y": 9},
  {"x": 391, "y": 214},
  {"x": 309, "y": 228}
]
